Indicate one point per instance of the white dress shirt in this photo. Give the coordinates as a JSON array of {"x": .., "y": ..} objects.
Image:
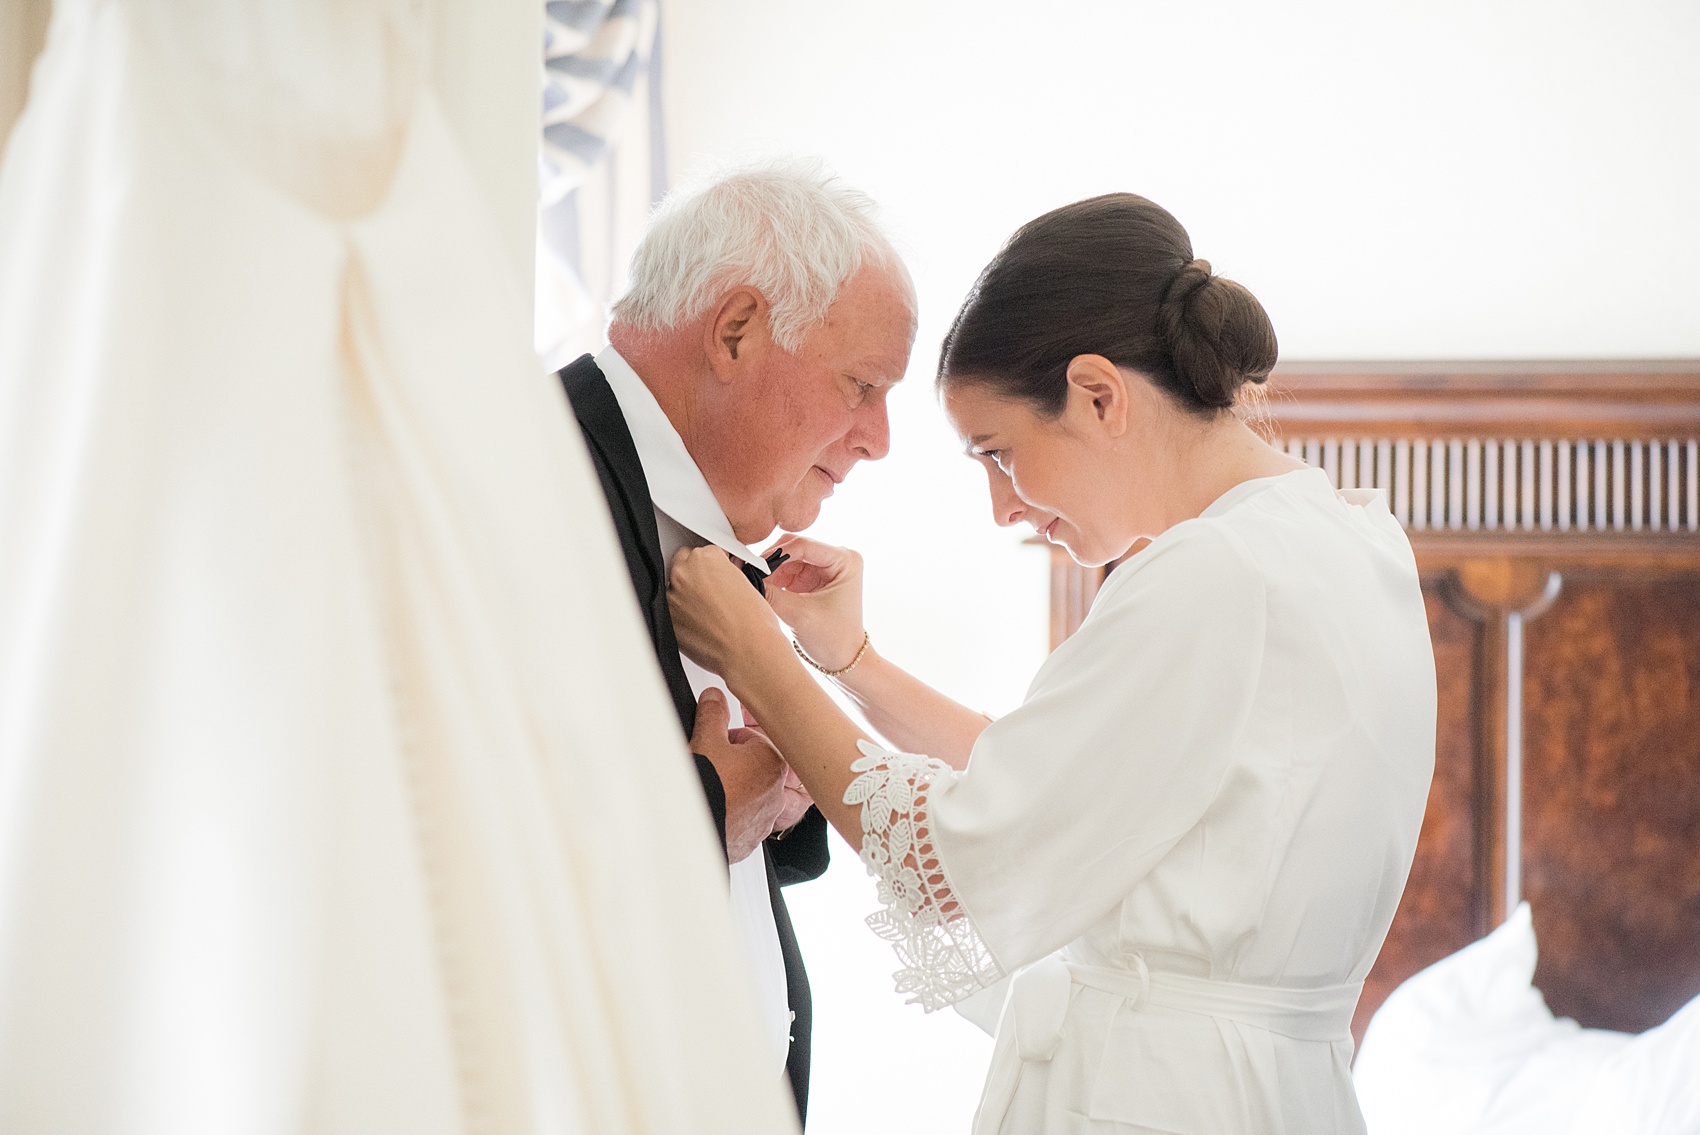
[{"x": 688, "y": 516}]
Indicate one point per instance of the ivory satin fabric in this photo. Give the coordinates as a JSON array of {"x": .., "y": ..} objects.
[
  {"x": 338, "y": 788},
  {"x": 1195, "y": 830}
]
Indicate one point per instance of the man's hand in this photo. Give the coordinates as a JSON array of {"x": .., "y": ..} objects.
[
  {"x": 751, "y": 772},
  {"x": 797, "y": 798},
  {"x": 797, "y": 803}
]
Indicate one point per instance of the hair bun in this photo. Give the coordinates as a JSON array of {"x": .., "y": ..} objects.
[
  {"x": 1194, "y": 274},
  {"x": 1218, "y": 335},
  {"x": 1112, "y": 276}
]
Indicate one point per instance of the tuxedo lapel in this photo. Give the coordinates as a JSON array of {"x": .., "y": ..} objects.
[
  {"x": 802, "y": 853},
  {"x": 627, "y": 490}
]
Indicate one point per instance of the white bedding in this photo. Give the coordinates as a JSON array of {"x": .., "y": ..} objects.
[{"x": 1469, "y": 1046}]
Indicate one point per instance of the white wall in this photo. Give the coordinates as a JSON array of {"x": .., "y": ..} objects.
[
  {"x": 1427, "y": 178},
  {"x": 1404, "y": 179}
]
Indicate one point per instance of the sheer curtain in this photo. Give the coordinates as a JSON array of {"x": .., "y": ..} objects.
[
  {"x": 335, "y": 795},
  {"x": 603, "y": 163}
]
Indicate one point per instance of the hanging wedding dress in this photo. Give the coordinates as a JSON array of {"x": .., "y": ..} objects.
[{"x": 338, "y": 790}]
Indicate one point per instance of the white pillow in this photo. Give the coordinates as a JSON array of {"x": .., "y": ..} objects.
[
  {"x": 1469, "y": 1046},
  {"x": 1651, "y": 1085}
]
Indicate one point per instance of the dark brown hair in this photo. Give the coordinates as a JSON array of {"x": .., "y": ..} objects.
[{"x": 1111, "y": 276}]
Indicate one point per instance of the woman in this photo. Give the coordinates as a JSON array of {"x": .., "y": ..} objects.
[{"x": 1188, "y": 842}]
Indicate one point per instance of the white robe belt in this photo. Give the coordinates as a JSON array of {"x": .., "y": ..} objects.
[
  {"x": 1042, "y": 992},
  {"x": 1040, "y": 996},
  {"x": 1303, "y": 1014}
]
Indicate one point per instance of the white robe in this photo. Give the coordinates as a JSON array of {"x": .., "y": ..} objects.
[
  {"x": 1193, "y": 833},
  {"x": 339, "y": 791}
]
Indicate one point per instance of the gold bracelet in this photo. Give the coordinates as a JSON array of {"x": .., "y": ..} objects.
[{"x": 863, "y": 649}]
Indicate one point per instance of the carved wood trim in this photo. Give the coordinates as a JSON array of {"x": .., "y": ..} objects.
[
  {"x": 1662, "y": 555},
  {"x": 1529, "y": 460},
  {"x": 1512, "y": 399},
  {"x": 1501, "y": 594}
]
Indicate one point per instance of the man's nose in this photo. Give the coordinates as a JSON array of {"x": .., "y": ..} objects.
[{"x": 871, "y": 435}]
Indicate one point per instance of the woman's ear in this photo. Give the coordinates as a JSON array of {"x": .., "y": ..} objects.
[
  {"x": 731, "y": 332},
  {"x": 1100, "y": 389}
]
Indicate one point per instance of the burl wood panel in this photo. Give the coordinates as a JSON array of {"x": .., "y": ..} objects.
[
  {"x": 1438, "y": 913},
  {"x": 1611, "y": 799}
]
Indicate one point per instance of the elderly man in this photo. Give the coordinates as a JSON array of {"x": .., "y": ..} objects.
[{"x": 746, "y": 374}]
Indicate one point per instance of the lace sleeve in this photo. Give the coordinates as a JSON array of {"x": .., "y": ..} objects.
[{"x": 943, "y": 958}]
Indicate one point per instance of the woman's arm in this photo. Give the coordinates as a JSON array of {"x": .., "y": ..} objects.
[
  {"x": 910, "y": 714},
  {"x": 724, "y": 625},
  {"x": 818, "y": 592}
]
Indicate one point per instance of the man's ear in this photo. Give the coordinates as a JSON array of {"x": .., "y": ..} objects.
[
  {"x": 732, "y": 331},
  {"x": 1099, "y": 386}
]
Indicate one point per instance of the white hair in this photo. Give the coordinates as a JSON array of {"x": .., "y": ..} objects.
[{"x": 789, "y": 229}]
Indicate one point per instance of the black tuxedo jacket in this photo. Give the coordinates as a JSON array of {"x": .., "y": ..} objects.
[{"x": 799, "y": 855}]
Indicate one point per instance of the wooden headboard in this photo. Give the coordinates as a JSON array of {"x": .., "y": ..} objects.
[{"x": 1554, "y": 509}]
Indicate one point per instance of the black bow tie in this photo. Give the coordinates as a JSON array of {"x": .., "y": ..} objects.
[{"x": 755, "y": 575}]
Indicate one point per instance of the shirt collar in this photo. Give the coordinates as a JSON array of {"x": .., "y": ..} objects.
[{"x": 676, "y": 486}]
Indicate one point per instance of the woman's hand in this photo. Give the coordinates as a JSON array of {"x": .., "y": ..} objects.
[
  {"x": 818, "y": 592},
  {"x": 721, "y": 621}
]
